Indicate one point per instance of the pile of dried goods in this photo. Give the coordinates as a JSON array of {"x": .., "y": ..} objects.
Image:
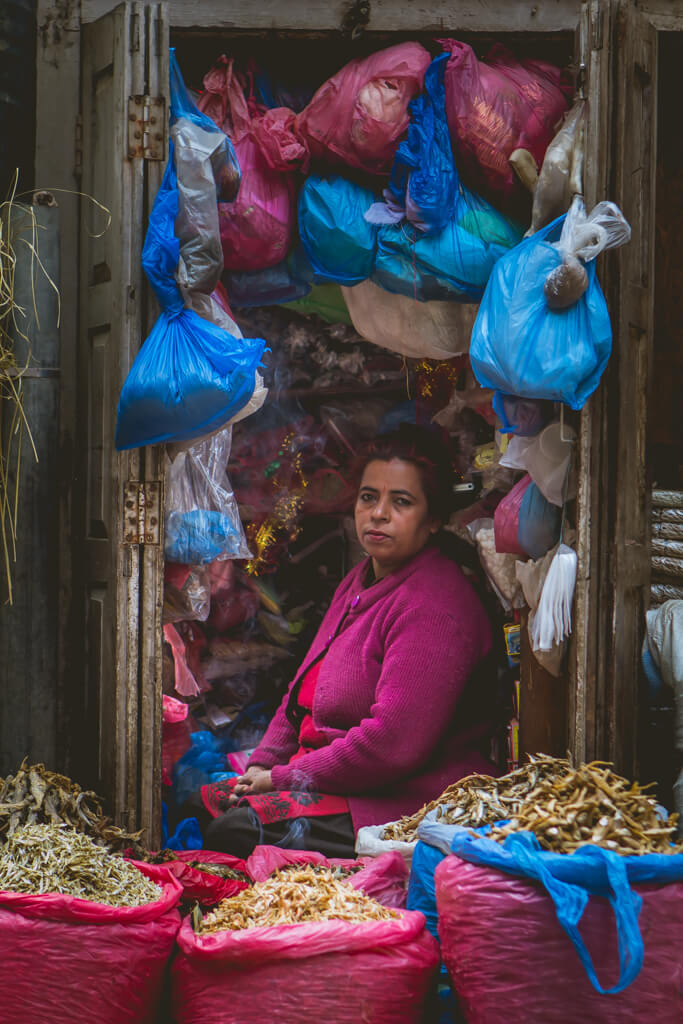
[
  {"x": 36, "y": 796},
  {"x": 592, "y": 805},
  {"x": 294, "y": 897},
  {"x": 41, "y": 859},
  {"x": 338, "y": 871},
  {"x": 480, "y": 799}
]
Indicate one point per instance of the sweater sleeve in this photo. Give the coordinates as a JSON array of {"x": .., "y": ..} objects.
[
  {"x": 429, "y": 656},
  {"x": 279, "y": 742}
]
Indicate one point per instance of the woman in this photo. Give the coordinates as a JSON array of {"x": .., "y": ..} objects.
[{"x": 391, "y": 704}]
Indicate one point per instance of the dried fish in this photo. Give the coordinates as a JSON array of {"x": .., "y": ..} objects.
[
  {"x": 36, "y": 795},
  {"x": 293, "y": 897},
  {"x": 41, "y": 859},
  {"x": 338, "y": 871}
]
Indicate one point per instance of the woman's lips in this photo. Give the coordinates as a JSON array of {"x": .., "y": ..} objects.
[{"x": 376, "y": 535}]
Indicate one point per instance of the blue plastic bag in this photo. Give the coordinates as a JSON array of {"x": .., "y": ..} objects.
[
  {"x": 570, "y": 880},
  {"x": 190, "y": 376},
  {"x": 522, "y": 347},
  {"x": 287, "y": 281},
  {"x": 338, "y": 241},
  {"x": 539, "y": 523}
]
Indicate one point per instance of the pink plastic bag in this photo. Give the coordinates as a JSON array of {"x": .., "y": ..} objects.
[
  {"x": 233, "y": 599},
  {"x": 358, "y": 116},
  {"x": 256, "y": 229},
  {"x": 202, "y": 885},
  {"x": 69, "y": 960},
  {"x": 379, "y": 971},
  {"x": 384, "y": 877},
  {"x": 506, "y": 519},
  {"x": 495, "y": 107},
  {"x": 175, "y": 735},
  {"x": 511, "y": 960}
]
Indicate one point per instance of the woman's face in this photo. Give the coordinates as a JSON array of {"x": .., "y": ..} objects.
[{"x": 392, "y": 519}]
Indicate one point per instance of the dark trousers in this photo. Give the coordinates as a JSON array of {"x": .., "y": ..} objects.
[{"x": 239, "y": 830}]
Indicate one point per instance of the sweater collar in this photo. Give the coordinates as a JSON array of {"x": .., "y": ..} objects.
[{"x": 363, "y": 597}]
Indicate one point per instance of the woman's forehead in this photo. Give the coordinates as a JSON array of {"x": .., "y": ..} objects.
[{"x": 392, "y": 474}]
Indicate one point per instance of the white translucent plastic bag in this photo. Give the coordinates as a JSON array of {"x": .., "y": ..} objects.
[
  {"x": 369, "y": 843},
  {"x": 419, "y": 330},
  {"x": 553, "y": 620},
  {"x": 202, "y": 518},
  {"x": 562, "y": 171},
  {"x": 546, "y": 458}
]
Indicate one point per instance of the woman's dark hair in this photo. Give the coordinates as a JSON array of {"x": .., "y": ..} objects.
[{"x": 428, "y": 452}]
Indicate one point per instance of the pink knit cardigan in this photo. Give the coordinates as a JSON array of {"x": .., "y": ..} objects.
[{"x": 397, "y": 656}]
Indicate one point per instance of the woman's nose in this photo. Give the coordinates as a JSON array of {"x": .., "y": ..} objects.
[{"x": 380, "y": 509}]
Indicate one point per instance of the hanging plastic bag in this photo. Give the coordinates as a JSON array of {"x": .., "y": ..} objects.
[
  {"x": 256, "y": 229},
  {"x": 202, "y": 518},
  {"x": 322, "y": 971},
  {"x": 495, "y": 107},
  {"x": 337, "y": 239},
  {"x": 546, "y": 458},
  {"x": 553, "y": 620},
  {"x": 73, "y": 960},
  {"x": 384, "y": 878},
  {"x": 524, "y": 417},
  {"x": 506, "y": 519},
  {"x": 585, "y": 900},
  {"x": 538, "y": 529},
  {"x": 187, "y": 593},
  {"x": 190, "y": 377},
  {"x": 522, "y": 347},
  {"x": 500, "y": 567},
  {"x": 357, "y": 117},
  {"x": 419, "y": 330},
  {"x": 561, "y": 175},
  {"x": 582, "y": 239}
]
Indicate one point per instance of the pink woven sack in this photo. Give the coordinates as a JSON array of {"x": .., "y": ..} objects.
[
  {"x": 379, "y": 971},
  {"x": 506, "y": 519},
  {"x": 511, "y": 960},
  {"x": 494, "y": 107},
  {"x": 256, "y": 229},
  {"x": 359, "y": 115}
]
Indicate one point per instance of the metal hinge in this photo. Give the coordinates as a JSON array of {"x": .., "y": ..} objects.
[
  {"x": 147, "y": 127},
  {"x": 78, "y": 147},
  {"x": 142, "y": 512}
]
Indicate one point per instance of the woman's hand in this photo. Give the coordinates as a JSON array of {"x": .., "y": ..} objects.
[{"x": 255, "y": 780}]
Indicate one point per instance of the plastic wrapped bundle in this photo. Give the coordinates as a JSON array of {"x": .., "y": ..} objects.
[
  {"x": 357, "y": 117},
  {"x": 338, "y": 240}
]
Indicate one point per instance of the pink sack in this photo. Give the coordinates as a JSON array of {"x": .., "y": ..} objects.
[
  {"x": 202, "y": 885},
  {"x": 69, "y": 960},
  {"x": 379, "y": 971},
  {"x": 358, "y": 116},
  {"x": 511, "y": 960},
  {"x": 256, "y": 229},
  {"x": 495, "y": 107},
  {"x": 506, "y": 519},
  {"x": 384, "y": 878},
  {"x": 175, "y": 735}
]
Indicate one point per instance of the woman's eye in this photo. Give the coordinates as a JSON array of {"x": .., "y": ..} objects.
[
  {"x": 402, "y": 501},
  {"x": 365, "y": 498}
]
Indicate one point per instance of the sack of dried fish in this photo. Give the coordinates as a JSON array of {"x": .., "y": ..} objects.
[
  {"x": 511, "y": 960},
  {"x": 69, "y": 959},
  {"x": 374, "y": 964},
  {"x": 375, "y": 840},
  {"x": 384, "y": 878},
  {"x": 36, "y": 795},
  {"x": 205, "y": 875}
]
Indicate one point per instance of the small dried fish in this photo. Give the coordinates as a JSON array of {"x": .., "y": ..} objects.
[
  {"x": 338, "y": 871},
  {"x": 35, "y": 795},
  {"x": 293, "y": 897},
  {"x": 41, "y": 859}
]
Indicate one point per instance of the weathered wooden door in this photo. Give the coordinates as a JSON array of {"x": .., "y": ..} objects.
[{"x": 121, "y": 515}]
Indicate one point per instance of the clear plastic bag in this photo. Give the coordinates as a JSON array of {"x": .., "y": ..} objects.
[
  {"x": 201, "y": 256},
  {"x": 561, "y": 173},
  {"x": 202, "y": 518},
  {"x": 583, "y": 238},
  {"x": 553, "y": 620},
  {"x": 546, "y": 458}
]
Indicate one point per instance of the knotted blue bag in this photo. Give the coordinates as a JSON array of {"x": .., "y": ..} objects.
[
  {"x": 338, "y": 241},
  {"x": 190, "y": 376},
  {"x": 520, "y": 346},
  {"x": 571, "y": 879}
]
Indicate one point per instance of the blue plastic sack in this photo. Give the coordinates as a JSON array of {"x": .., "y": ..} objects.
[
  {"x": 200, "y": 536},
  {"x": 190, "y": 376},
  {"x": 524, "y": 417},
  {"x": 539, "y": 523},
  {"x": 522, "y": 347},
  {"x": 570, "y": 880},
  {"x": 338, "y": 241},
  {"x": 421, "y": 890}
]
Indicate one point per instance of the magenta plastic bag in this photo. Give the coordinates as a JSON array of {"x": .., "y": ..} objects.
[
  {"x": 68, "y": 960},
  {"x": 534, "y": 975},
  {"x": 384, "y": 878},
  {"x": 494, "y": 107},
  {"x": 379, "y": 971},
  {"x": 256, "y": 229},
  {"x": 204, "y": 886},
  {"x": 359, "y": 115},
  {"x": 506, "y": 519}
]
